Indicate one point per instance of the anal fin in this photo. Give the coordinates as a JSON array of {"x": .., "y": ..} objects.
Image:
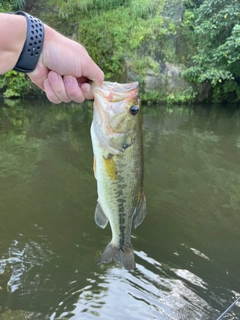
[
  {"x": 100, "y": 217},
  {"x": 140, "y": 213}
]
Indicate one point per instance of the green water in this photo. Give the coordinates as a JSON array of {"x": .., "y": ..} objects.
[{"x": 187, "y": 249}]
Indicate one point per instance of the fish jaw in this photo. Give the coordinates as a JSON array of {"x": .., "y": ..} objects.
[{"x": 115, "y": 91}]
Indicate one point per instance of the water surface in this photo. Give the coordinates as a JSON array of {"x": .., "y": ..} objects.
[{"x": 187, "y": 249}]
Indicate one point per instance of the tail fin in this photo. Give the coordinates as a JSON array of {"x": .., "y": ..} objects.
[{"x": 124, "y": 256}]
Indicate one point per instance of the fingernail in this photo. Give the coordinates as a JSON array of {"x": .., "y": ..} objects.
[{"x": 53, "y": 77}]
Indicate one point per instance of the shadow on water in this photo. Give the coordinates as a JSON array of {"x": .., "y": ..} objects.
[{"x": 187, "y": 249}]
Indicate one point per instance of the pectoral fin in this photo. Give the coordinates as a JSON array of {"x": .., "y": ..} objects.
[
  {"x": 100, "y": 217},
  {"x": 140, "y": 213}
]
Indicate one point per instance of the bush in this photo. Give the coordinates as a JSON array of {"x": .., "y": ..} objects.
[
  {"x": 15, "y": 84},
  {"x": 217, "y": 31},
  {"x": 121, "y": 41}
]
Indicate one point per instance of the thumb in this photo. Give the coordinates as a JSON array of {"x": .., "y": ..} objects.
[{"x": 92, "y": 72}]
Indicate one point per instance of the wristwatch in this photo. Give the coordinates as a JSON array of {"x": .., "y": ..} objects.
[{"x": 33, "y": 45}]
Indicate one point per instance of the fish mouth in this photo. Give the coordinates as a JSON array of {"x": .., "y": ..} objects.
[
  {"x": 121, "y": 88},
  {"x": 115, "y": 92}
]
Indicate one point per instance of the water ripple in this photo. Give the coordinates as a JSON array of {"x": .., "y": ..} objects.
[
  {"x": 20, "y": 260},
  {"x": 149, "y": 292}
]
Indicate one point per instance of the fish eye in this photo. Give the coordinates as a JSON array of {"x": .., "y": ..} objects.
[{"x": 134, "y": 110}]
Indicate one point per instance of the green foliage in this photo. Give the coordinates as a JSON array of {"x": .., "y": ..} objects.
[
  {"x": 187, "y": 25},
  {"x": 181, "y": 97},
  {"x": 18, "y": 4},
  {"x": 228, "y": 52},
  {"x": 16, "y": 84},
  {"x": 217, "y": 28},
  {"x": 140, "y": 65},
  {"x": 155, "y": 95},
  {"x": 5, "y": 6},
  {"x": 69, "y": 7},
  {"x": 11, "y": 5},
  {"x": 139, "y": 7},
  {"x": 187, "y": 38},
  {"x": 118, "y": 41},
  {"x": 143, "y": 8},
  {"x": 191, "y": 4}
]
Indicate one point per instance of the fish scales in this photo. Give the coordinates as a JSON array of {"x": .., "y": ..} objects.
[{"x": 116, "y": 134}]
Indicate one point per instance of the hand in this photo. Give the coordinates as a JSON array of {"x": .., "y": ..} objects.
[{"x": 64, "y": 69}]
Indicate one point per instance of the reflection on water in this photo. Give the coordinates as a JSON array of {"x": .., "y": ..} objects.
[{"x": 187, "y": 249}]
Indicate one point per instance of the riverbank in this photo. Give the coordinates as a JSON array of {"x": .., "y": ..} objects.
[{"x": 157, "y": 43}]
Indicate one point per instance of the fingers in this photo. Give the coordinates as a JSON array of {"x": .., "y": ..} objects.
[
  {"x": 65, "y": 89},
  {"x": 91, "y": 71},
  {"x": 51, "y": 95},
  {"x": 87, "y": 91},
  {"x": 73, "y": 89},
  {"x": 57, "y": 90}
]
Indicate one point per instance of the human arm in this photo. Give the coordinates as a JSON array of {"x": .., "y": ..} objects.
[
  {"x": 13, "y": 35},
  {"x": 64, "y": 68}
]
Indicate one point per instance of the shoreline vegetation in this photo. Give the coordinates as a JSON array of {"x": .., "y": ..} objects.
[{"x": 178, "y": 50}]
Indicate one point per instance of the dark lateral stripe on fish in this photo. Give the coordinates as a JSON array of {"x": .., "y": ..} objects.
[{"x": 122, "y": 238}]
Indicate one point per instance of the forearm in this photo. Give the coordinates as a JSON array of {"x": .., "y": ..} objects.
[{"x": 13, "y": 35}]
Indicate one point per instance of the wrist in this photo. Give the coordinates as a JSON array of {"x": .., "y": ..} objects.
[
  {"x": 50, "y": 52},
  {"x": 33, "y": 44}
]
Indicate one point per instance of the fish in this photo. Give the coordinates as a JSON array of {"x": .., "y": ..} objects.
[{"x": 117, "y": 141}]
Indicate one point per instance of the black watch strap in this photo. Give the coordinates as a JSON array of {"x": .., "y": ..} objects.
[{"x": 33, "y": 45}]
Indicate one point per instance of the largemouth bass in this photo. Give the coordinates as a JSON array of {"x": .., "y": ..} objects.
[{"x": 116, "y": 134}]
